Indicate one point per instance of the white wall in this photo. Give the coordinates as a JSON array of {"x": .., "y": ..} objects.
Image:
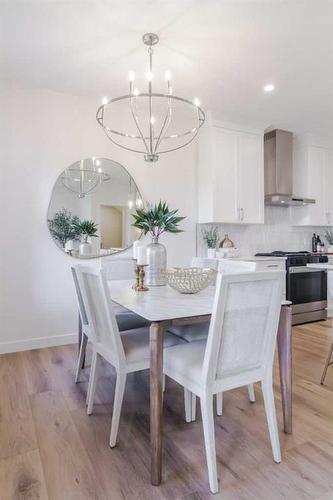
[{"x": 41, "y": 133}]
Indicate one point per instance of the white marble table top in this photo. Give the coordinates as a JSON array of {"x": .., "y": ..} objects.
[
  {"x": 323, "y": 266},
  {"x": 163, "y": 303}
]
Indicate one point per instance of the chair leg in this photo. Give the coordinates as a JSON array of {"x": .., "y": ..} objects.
[
  {"x": 267, "y": 390},
  {"x": 88, "y": 388},
  {"x": 194, "y": 407},
  {"x": 117, "y": 404},
  {"x": 219, "y": 403},
  {"x": 328, "y": 362},
  {"x": 206, "y": 403},
  {"x": 81, "y": 357},
  {"x": 92, "y": 381},
  {"x": 188, "y": 405},
  {"x": 250, "y": 390}
]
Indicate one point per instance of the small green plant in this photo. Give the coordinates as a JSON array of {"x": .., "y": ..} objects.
[
  {"x": 157, "y": 219},
  {"x": 63, "y": 227},
  {"x": 329, "y": 235},
  {"x": 86, "y": 229},
  {"x": 210, "y": 236}
]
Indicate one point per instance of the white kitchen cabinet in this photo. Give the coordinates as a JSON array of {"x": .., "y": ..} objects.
[
  {"x": 230, "y": 176},
  {"x": 315, "y": 174}
]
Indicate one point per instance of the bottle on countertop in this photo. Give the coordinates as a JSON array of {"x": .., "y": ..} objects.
[
  {"x": 322, "y": 248},
  {"x": 318, "y": 244},
  {"x": 314, "y": 242}
]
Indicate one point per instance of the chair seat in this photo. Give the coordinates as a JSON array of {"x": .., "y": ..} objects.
[
  {"x": 117, "y": 308},
  {"x": 197, "y": 331},
  {"x": 185, "y": 360},
  {"x": 136, "y": 344},
  {"x": 128, "y": 320}
]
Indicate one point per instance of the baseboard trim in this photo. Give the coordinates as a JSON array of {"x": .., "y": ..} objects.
[{"x": 37, "y": 343}]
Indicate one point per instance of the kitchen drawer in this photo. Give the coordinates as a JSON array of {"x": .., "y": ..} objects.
[{"x": 271, "y": 265}]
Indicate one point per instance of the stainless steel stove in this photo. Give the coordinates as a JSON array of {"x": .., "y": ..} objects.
[{"x": 306, "y": 287}]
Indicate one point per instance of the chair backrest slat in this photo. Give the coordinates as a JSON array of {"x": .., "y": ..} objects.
[
  {"x": 82, "y": 309},
  {"x": 100, "y": 312},
  {"x": 244, "y": 324}
]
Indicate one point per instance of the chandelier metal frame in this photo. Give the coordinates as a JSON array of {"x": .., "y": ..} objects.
[
  {"x": 97, "y": 177},
  {"x": 153, "y": 141}
]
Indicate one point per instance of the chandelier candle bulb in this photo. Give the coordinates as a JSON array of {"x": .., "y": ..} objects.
[{"x": 131, "y": 76}]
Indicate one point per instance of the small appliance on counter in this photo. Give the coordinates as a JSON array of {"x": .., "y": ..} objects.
[{"x": 306, "y": 287}]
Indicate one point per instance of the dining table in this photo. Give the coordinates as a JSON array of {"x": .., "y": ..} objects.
[{"x": 165, "y": 307}]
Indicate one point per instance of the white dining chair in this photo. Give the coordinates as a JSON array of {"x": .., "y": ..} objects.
[
  {"x": 126, "y": 320},
  {"x": 239, "y": 351},
  {"x": 199, "y": 331},
  {"x": 127, "y": 352}
]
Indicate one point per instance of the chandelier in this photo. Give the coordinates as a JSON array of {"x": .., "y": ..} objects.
[
  {"x": 150, "y": 123},
  {"x": 84, "y": 177}
]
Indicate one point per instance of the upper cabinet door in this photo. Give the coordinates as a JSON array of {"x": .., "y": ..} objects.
[
  {"x": 329, "y": 187},
  {"x": 317, "y": 182},
  {"x": 251, "y": 178},
  {"x": 230, "y": 176},
  {"x": 225, "y": 185}
]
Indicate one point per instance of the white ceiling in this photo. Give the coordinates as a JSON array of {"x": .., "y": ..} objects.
[{"x": 221, "y": 51}]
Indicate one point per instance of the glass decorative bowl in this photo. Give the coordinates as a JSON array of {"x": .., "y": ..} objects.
[{"x": 189, "y": 280}]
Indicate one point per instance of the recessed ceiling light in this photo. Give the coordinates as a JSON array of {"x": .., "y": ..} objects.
[{"x": 269, "y": 87}]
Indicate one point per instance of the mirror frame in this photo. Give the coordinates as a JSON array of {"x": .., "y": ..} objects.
[{"x": 94, "y": 256}]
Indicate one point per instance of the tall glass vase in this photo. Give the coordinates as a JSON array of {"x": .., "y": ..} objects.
[{"x": 157, "y": 261}]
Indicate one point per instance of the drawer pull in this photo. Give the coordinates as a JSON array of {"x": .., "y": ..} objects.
[{"x": 273, "y": 265}]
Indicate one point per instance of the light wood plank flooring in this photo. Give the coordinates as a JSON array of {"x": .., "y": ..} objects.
[{"x": 50, "y": 449}]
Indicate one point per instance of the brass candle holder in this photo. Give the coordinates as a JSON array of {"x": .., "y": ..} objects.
[{"x": 140, "y": 278}]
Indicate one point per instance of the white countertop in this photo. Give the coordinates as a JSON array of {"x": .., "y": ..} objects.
[{"x": 254, "y": 258}]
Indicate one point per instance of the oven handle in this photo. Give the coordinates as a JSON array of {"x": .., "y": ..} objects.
[{"x": 304, "y": 269}]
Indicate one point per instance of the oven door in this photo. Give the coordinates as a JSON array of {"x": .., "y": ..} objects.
[{"x": 307, "y": 285}]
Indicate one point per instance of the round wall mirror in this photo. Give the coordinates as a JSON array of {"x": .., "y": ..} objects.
[{"x": 90, "y": 209}]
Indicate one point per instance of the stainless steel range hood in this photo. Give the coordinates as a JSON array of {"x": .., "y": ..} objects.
[{"x": 278, "y": 153}]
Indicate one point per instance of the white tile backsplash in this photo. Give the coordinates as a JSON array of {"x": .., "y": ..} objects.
[{"x": 276, "y": 234}]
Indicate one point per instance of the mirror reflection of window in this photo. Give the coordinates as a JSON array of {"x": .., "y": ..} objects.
[{"x": 87, "y": 222}]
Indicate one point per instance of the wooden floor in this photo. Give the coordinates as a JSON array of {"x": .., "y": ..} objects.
[{"x": 50, "y": 449}]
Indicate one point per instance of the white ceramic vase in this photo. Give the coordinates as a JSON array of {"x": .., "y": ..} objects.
[
  {"x": 211, "y": 253},
  {"x": 85, "y": 247}
]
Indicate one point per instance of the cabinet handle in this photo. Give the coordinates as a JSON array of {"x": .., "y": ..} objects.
[
  {"x": 273, "y": 265},
  {"x": 242, "y": 214},
  {"x": 328, "y": 218}
]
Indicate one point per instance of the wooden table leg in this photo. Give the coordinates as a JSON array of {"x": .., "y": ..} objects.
[
  {"x": 284, "y": 340},
  {"x": 156, "y": 400}
]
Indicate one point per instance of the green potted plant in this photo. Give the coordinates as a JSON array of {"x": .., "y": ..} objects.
[
  {"x": 210, "y": 237},
  {"x": 86, "y": 229},
  {"x": 63, "y": 227},
  {"x": 156, "y": 220}
]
